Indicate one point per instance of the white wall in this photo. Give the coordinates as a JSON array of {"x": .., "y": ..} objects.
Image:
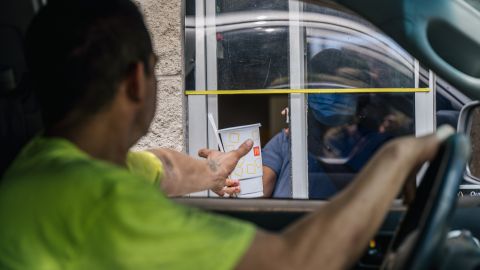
[{"x": 164, "y": 20}]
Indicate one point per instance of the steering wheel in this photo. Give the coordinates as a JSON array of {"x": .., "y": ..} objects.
[{"x": 422, "y": 232}]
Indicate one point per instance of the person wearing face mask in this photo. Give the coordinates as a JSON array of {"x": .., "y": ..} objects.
[{"x": 334, "y": 128}]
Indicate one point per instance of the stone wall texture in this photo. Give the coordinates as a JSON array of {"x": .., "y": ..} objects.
[{"x": 164, "y": 21}]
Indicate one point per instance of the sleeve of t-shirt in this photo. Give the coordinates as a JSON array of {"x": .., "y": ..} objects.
[
  {"x": 139, "y": 228},
  {"x": 272, "y": 153},
  {"x": 145, "y": 164}
]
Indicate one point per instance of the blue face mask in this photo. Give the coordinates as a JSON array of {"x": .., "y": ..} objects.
[{"x": 333, "y": 109}]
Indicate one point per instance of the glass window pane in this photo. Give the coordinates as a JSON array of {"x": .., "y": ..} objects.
[
  {"x": 189, "y": 45},
  {"x": 345, "y": 130},
  {"x": 253, "y": 57},
  {"x": 253, "y": 53},
  {"x": 242, "y": 5}
]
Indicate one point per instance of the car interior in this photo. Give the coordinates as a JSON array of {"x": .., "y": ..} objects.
[{"x": 437, "y": 231}]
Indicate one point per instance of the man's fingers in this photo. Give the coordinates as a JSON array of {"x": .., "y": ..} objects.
[
  {"x": 222, "y": 192},
  {"x": 204, "y": 152},
  {"x": 444, "y": 131},
  {"x": 428, "y": 145},
  {"x": 244, "y": 148},
  {"x": 232, "y": 183},
  {"x": 231, "y": 190},
  {"x": 218, "y": 191}
]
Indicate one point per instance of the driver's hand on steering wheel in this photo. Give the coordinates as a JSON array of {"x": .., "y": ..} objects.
[{"x": 422, "y": 155}]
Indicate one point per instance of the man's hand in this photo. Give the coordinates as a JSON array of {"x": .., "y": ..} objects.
[
  {"x": 231, "y": 188},
  {"x": 410, "y": 186},
  {"x": 351, "y": 218},
  {"x": 221, "y": 166},
  {"x": 184, "y": 174}
]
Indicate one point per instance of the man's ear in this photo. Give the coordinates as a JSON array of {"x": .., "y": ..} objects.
[{"x": 136, "y": 89}]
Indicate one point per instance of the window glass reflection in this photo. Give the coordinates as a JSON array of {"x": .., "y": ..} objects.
[
  {"x": 345, "y": 130},
  {"x": 252, "y": 52}
]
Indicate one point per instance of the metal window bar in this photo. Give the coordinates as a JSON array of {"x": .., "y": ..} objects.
[
  {"x": 424, "y": 105},
  {"x": 298, "y": 103},
  {"x": 425, "y": 116},
  {"x": 197, "y": 105},
  {"x": 211, "y": 71}
]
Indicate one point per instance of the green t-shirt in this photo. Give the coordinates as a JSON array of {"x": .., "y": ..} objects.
[{"x": 62, "y": 209}]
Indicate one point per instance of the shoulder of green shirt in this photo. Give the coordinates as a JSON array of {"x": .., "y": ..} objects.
[
  {"x": 146, "y": 165},
  {"x": 140, "y": 163}
]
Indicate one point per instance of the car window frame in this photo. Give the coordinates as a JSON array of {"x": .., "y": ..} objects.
[{"x": 200, "y": 106}]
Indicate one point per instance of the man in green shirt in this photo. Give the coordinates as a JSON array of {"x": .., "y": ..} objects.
[{"x": 74, "y": 198}]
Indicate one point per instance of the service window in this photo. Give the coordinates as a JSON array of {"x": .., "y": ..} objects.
[{"x": 316, "y": 147}]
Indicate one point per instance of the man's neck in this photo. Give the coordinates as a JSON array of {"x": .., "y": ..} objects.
[{"x": 101, "y": 137}]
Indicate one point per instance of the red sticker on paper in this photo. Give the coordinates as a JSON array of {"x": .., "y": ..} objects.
[{"x": 256, "y": 151}]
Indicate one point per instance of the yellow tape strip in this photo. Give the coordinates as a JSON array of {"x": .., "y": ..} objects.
[{"x": 306, "y": 91}]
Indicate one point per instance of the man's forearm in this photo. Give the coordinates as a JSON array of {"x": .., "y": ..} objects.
[
  {"x": 182, "y": 173},
  {"x": 334, "y": 236},
  {"x": 354, "y": 216}
]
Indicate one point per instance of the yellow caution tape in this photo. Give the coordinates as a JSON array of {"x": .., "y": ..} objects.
[{"x": 306, "y": 91}]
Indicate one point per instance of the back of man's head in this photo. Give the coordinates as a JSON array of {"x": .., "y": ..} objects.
[{"x": 78, "y": 51}]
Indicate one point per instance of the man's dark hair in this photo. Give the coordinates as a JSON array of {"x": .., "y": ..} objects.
[{"x": 79, "y": 50}]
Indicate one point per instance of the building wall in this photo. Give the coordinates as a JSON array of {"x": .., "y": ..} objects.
[{"x": 164, "y": 21}]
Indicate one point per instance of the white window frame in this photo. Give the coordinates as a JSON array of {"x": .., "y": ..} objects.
[
  {"x": 197, "y": 105},
  {"x": 425, "y": 110},
  {"x": 298, "y": 103},
  {"x": 200, "y": 135}
]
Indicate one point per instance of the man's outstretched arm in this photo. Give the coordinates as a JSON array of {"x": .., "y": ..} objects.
[
  {"x": 184, "y": 174},
  {"x": 334, "y": 236}
]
